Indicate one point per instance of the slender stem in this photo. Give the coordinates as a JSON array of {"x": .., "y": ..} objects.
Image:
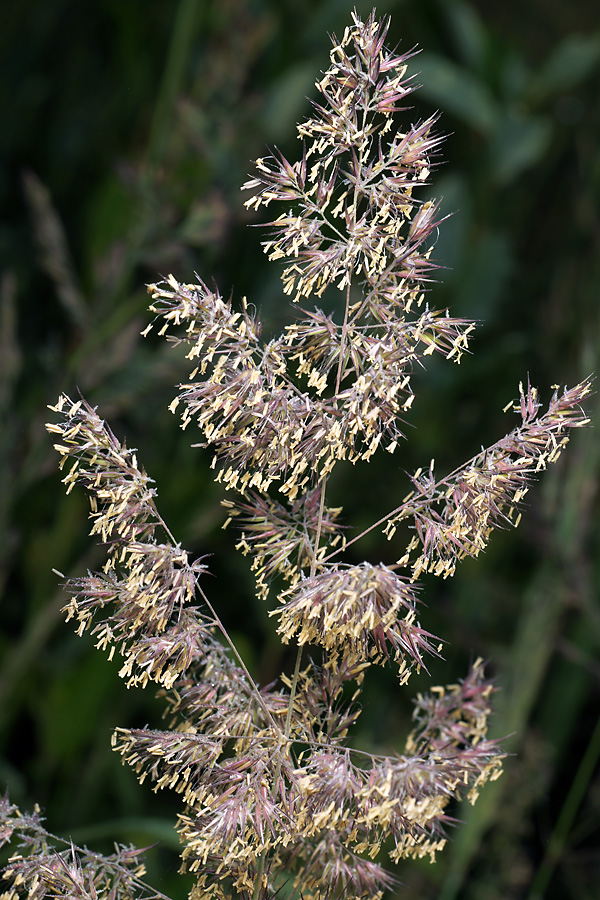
[
  {"x": 162, "y": 522},
  {"x": 362, "y": 534},
  {"x": 343, "y": 340},
  {"x": 313, "y": 565},
  {"x": 223, "y": 631},
  {"x": 294, "y": 685},
  {"x": 430, "y": 498},
  {"x": 259, "y": 876},
  {"x": 235, "y": 652},
  {"x": 313, "y": 568},
  {"x": 180, "y": 45}
]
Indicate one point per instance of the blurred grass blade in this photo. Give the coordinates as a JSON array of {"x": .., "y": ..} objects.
[
  {"x": 10, "y": 352},
  {"x": 142, "y": 220},
  {"x": 572, "y": 62},
  {"x": 530, "y": 657},
  {"x": 468, "y": 31},
  {"x": 172, "y": 80},
  {"x": 567, "y": 815},
  {"x": 458, "y": 91},
  {"x": 55, "y": 257},
  {"x": 518, "y": 143},
  {"x": 533, "y": 648},
  {"x": 11, "y": 362}
]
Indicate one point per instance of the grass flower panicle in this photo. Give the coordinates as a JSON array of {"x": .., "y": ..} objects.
[
  {"x": 43, "y": 870},
  {"x": 356, "y": 610},
  {"x": 272, "y": 791},
  {"x": 455, "y": 516}
]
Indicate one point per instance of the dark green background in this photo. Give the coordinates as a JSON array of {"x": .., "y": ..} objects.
[{"x": 127, "y": 130}]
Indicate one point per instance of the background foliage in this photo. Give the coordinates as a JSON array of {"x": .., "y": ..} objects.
[{"x": 128, "y": 129}]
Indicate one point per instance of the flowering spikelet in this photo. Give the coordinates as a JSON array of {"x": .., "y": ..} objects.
[
  {"x": 147, "y": 584},
  {"x": 355, "y": 220},
  {"x": 353, "y": 187},
  {"x": 455, "y": 516},
  {"x": 281, "y": 539},
  {"x": 263, "y": 427},
  {"x": 359, "y": 610}
]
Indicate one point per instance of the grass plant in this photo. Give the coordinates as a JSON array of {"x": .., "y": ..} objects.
[{"x": 276, "y": 800}]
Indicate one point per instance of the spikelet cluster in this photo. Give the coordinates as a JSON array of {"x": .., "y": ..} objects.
[
  {"x": 454, "y": 516},
  {"x": 140, "y": 602},
  {"x": 271, "y": 790},
  {"x": 51, "y": 867}
]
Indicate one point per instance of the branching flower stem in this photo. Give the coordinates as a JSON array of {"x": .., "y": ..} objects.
[
  {"x": 313, "y": 565},
  {"x": 162, "y": 522},
  {"x": 363, "y": 534},
  {"x": 241, "y": 662},
  {"x": 552, "y": 425}
]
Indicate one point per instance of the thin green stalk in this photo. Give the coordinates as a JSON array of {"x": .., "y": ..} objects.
[
  {"x": 294, "y": 685},
  {"x": 343, "y": 339},
  {"x": 567, "y": 815},
  {"x": 169, "y": 88},
  {"x": 259, "y": 877},
  {"x": 172, "y": 78},
  {"x": 296, "y": 675},
  {"x": 313, "y": 565}
]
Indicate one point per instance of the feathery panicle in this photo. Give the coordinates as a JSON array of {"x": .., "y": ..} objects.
[
  {"x": 288, "y": 411},
  {"x": 455, "y": 516},
  {"x": 281, "y": 539},
  {"x": 146, "y": 585},
  {"x": 271, "y": 790},
  {"x": 353, "y": 187}
]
